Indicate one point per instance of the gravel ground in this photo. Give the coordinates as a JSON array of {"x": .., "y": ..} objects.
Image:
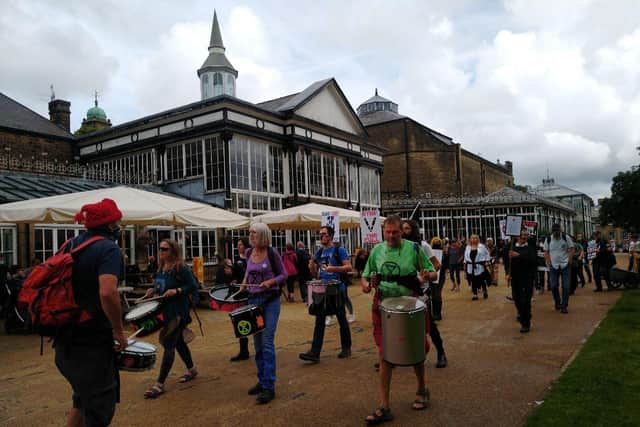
[{"x": 494, "y": 377}]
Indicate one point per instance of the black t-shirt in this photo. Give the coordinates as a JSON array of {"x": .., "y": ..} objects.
[
  {"x": 239, "y": 268},
  {"x": 101, "y": 257}
]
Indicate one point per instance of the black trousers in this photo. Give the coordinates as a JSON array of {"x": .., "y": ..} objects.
[
  {"x": 600, "y": 271},
  {"x": 436, "y": 296},
  {"x": 320, "y": 326},
  {"x": 477, "y": 282},
  {"x": 521, "y": 291},
  {"x": 434, "y": 333}
]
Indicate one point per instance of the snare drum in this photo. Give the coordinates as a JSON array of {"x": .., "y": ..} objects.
[
  {"x": 138, "y": 356},
  {"x": 146, "y": 315},
  {"x": 247, "y": 320},
  {"x": 220, "y": 296},
  {"x": 325, "y": 297}
]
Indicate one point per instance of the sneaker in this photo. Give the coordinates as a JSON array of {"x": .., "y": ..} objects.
[
  {"x": 255, "y": 390},
  {"x": 485, "y": 295},
  {"x": 475, "y": 298},
  {"x": 330, "y": 320},
  {"x": 525, "y": 329},
  {"x": 309, "y": 357},
  {"x": 265, "y": 396},
  {"x": 564, "y": 310},
  {"x": 351, "y": 318},
  {"x": 344, "y": 354}
]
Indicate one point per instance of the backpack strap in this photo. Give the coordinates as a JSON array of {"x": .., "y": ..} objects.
[
  {"x": 275, "y": 267},
  {"x": 336, "y": 254},
  {"x": 83, "y": 244}
]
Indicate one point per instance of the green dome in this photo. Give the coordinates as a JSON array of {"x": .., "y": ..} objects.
[{"x": 96, "y": 113}]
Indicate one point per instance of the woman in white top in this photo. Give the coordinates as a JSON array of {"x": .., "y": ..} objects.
[{"x": 476, "y": 261}]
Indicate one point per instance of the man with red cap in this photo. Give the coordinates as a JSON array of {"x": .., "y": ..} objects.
[{"x": 85, "y": 351}]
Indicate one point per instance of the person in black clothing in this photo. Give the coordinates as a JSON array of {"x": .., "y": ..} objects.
[
  {"x": 85, "y": 351},
  {"x": 601, "y": 264},
  {"x": 239, "y": 269},
  {"x": 522, "y": 270},
  {"x": 585, "y": 259},
  {"x": 224, "y": 275},
  {"x": 304, "y": 273}
]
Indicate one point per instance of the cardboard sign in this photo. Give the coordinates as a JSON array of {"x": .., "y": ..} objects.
[
  {"x": 332, "y": 219},
  {"x": 592, "y": 250},
  {"x": 370, "y": 227},
  {"x": 531, "y": 226},
  {"x": 514, "y": 225}
]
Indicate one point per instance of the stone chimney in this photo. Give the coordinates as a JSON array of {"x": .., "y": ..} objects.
[
  {"x": 60, "y": 113},
  {"x": 509, "y": 165}
]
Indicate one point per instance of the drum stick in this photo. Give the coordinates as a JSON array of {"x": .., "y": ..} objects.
[
  {"x": 154, "y": 298},
  {"x": 233, "y": 296},
  {"x": 135, "y": 334},
  {"x": 137, "y": 301}
]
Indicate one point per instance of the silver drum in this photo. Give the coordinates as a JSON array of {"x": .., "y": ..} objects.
[{"x": 403, "y": 330}]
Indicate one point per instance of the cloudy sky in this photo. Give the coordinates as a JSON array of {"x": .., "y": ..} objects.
[{"x": 545, "y": 83}]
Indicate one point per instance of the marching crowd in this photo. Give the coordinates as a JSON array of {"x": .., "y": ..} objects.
[{"x": 404, "y": 264}]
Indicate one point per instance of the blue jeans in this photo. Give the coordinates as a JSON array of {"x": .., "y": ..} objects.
[
  {"x": 263, "y": 342},
  {"x": 554, "y": 277}
]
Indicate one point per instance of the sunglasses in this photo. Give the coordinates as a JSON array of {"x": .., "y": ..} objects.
[{"x": 164, "y": 248}]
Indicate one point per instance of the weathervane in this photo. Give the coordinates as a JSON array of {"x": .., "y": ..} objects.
[
  {"x": 53, "y": 94},
  {"x": 96, "y": 98}
]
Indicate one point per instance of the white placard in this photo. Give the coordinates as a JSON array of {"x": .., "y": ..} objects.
[
  {"x": 514, "y": 225},
  {"x": 370, "y": 227},
  {"x": 438, "y": 254},
  {"x": 332, "y": 219}
]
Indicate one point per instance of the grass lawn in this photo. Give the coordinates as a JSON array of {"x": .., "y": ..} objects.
[{"x": 602, "y": 385}]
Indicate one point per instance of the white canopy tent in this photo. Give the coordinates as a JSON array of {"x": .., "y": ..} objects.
[
  {"x": 307, "y": 217},
  {"x": 137, "y": 207}
]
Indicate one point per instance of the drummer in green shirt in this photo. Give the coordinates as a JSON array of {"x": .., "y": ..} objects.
[{"x": 400, "y": 267}]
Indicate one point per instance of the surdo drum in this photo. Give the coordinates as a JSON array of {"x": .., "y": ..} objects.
[
  {"x": 403, "y": 330},
  {"x": 221, "y": 298},
  {"x": 138, "y": 356},
  {"x": 145, "y": 315},
  {"x": 247, "y": 320}
]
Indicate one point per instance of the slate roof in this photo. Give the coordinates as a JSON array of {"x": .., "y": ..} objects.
[
  {"x": 549, "y": 188},
  {"x": 293, "y": 101},
  {"x": 503, "y": 197},
  {"x": 380, "y": 117},
  {"x": 14, "y": 115},
  {"x": 15, "y": 187}
]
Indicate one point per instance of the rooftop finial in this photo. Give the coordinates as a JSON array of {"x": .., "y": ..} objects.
[
  {"x": 216, "y": 36},
  {"x": 376, "y": 91},
  {"x": 53, "y": 94},
  {"x": 95, "y": 98}
]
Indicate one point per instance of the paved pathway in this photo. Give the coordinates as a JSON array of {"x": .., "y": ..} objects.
[{"x": 494, "y": 375}]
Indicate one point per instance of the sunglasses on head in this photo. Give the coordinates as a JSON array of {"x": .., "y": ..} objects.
[{"x": 163, "y": 248}]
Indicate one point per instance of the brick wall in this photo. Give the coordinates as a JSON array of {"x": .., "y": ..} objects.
[
  {"x": 29, "y": 145},
  {"x": 432, "y": 164}
]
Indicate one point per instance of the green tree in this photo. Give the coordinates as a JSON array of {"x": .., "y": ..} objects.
[{"x": 622, "y": 209}]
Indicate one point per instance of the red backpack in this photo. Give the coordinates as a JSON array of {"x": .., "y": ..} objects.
[{"x": 48, "y": 292}]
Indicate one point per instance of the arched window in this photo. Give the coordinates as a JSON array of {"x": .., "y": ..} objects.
[
  {"x": 230, "y": 89},
  {"x": 205, "y": 86},
  {"x": 217, "y": 84}
]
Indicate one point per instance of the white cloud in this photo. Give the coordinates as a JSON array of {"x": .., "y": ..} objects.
[{"x": 536, "y": 82}]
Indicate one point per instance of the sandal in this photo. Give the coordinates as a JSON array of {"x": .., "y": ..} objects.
[
  {"x": 379, "y": 416},
  {"x": 153, "y": 392},
  {"x": 189, "y": 376},
  {"x": 423, "y": 403}
]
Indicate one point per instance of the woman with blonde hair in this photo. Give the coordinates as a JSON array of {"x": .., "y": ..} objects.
[
  {"x": 476, "y": 261},
  {"x": 266, "y": 272},
  {"x": 175, "y": 282}
]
